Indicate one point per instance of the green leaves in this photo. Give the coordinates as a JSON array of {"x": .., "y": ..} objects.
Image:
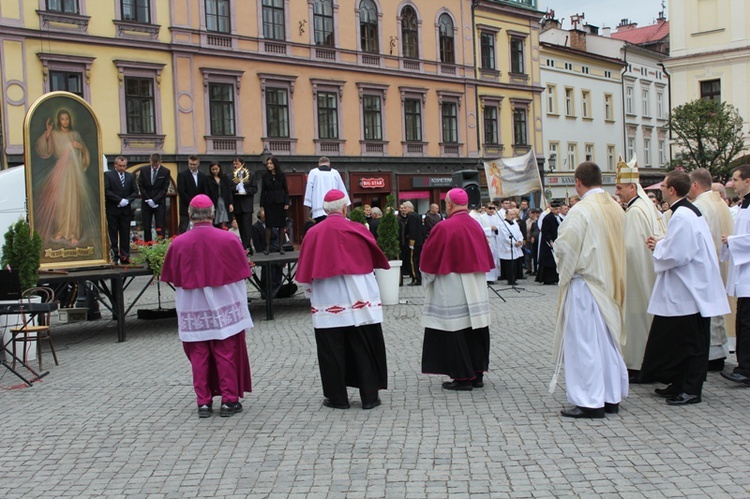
[
  {"x": 22, "y": 251},
  {"x": 388, "y": 230}
]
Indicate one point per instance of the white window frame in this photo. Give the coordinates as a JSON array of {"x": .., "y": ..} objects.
[
  {"x": 631, "y": 148},
  {"x": 140, "y": 143},
  {"x": 552, "y": 99},
  {"x": 586, "y": 104},
  {"x": 629, "y": 104},
  {"x": 589, "y": 152},
  {"x": 373, "y": 147},
  {"x": 328, "y": 146},
  {"x": 646, "y": 98},
  {"x": 647, "y": 151},
  {"x": 281, "y": 145},
  {"x": 609, "y": 111},
  {"x": 413, "y": 148},
  {"x": 610, "y": 157},
  {"x": 570, "y": 102},
  {"x": 222, "y": 144},
  {"x": 572, "y": 156}
]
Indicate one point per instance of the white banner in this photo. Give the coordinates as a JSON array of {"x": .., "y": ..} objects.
[{"x": 507, "y": 177}]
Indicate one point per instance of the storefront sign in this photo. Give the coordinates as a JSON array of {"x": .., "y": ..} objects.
[
  {"x": 372, "y": 183},
  {"x": 570, "y": 180},
  {"x": 435, "y": 182}
]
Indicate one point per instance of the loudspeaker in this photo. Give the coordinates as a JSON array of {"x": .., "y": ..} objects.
[{"x": 468, "y": 180}]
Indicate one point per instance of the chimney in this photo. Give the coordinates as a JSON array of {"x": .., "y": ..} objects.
[
  {"x": 548, "y": 24},
  {"x": 591, "y": 29},
  {"x": 578, "y": 40},
  {"x": 626, "y": 25},
  {"x": 606, "y": 32}
]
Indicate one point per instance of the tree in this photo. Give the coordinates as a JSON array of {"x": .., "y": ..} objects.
[
  {"x": 358, "y": 215},
  {"x": 388, "y": 230},
  {"x": 22, "y": 251},
  {"x": 709, "y": 134}
]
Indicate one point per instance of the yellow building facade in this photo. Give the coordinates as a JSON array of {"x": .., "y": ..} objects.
[{"x": 390, "y": 90}]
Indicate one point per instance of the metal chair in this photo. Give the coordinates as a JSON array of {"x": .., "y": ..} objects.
[{"x": 35, "y": 328}]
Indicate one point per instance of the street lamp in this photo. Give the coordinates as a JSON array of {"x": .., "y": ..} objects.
[
  {"x": 552, "y": 162},
  {"x": 265, "y": 155}
]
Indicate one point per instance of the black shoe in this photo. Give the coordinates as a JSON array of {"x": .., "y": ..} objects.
[
  {"x": 583, "y": 413},
  {"x": 478, "y": 382},
  {"x": 336, "y": 405},
  {"x": 204, "y": 411},
  {"x": 265, "y": 252},
  {"x": 229, "y": 409},
  {"x": 684, "y": 399},
  {"x": 414, "y": 283},
  {"x": 371, "y": 405},
  {"x": 668, "y": 392},
  {"x": 736, "y": 377},
  {"x": 458, "y": 385},
  {"x": 716, "y": 365},
  {"x": 611, "y": 408}
]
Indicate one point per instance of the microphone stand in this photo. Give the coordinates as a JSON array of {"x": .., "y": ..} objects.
[{"x": 512, "y": 261}]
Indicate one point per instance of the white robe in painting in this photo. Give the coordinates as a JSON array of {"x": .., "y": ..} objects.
[
  {"x": 642, "y": 220},
  {"x": 590, "y": 255},
  {"x": 719, "y": 219},
  {"x": 488, "y": 221},
  {"x": 687, "y": 270}
]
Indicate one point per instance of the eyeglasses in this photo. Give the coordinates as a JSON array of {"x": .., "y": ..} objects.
[{"x": 490, "y": 207}]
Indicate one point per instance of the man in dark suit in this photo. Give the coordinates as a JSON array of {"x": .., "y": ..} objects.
[
  {"x": 119, "y": 192},
  {"x": 153, "y": 182},
  {"x": 245, "y": 187},
  {"x": 259, "y": 241},
  {"x": 547, "y": 265},
  {"x": 189, "y": 183},
  {"x": 414, "y": 237}
]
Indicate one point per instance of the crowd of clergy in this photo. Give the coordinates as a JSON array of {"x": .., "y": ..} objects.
[{"x": 643, "y": 294}]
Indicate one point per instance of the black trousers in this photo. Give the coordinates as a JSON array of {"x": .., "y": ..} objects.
[
  {"x": 184, "y": 223},
  {"x": 462, "y": 355},
  {"x": 118, "y": 227},
  {"x": 742, "y": 348},
  {"x": 245, "y": 225},
  {"x": 159, "y": 215},
  {"x": 414, "y": 256},
  {"x": 677, "y": 352},
  {"x": 352, "y": 356}
]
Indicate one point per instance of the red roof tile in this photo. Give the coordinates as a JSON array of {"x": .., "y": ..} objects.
[{"x": 646, "y": 34}]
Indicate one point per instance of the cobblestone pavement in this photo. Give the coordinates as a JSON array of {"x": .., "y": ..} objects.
[{"x": 119, "y": 419}]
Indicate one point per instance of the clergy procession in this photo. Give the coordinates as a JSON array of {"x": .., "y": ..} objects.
[{"x": 643, "y": 294}]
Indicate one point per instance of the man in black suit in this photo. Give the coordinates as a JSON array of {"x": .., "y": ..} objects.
[
  {"x": 245, "y": 187},
  {"x": 414, "y": 237},
  {"x": 119, "y": 192},
  {"x": 547, "y": 265},
  {"x": 153, "y": 182},
  {"x": 189, "y": 183},
  {"x": 259, "y": 241}
]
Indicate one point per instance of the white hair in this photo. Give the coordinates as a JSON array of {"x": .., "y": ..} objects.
[
  {"x": 334, "y": 206},
  {"x": 377, "y": 211},
  {"x": 197, "y": 214},
  {"x": 408, "y": 205}
]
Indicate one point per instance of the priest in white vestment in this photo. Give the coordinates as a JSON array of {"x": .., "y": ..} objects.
[
  {"x": 719, "y": 219},
  {"x": 642, "y": 220},
  {"x": 736, "y": 250},
  {"x": 490, "y": 222},
  {"x": 687, "y": 293},
  {"x": 320, "y": 180},
  {"x": 590, "y": 254},
  {"x": 510, "y": 245}
]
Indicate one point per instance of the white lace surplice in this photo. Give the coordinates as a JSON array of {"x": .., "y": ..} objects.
[
  {"x": 212, "y": 313},
  {"x": 347, "y": 300}
]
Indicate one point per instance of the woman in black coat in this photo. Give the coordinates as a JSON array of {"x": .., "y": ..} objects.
[
  {"x": 274, "y": 198},
  {"x": 219, "y": 189}
]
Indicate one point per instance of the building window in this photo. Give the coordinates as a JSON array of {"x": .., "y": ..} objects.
[
  {"x": 273, "y": 20},
  {"x": 409, "y": 33},
  {"x": 449, "y": 111},
  {"x": 447, "y": 44},
  {"x": 586, "y": 104},
  {"x": 659, "y": 105},
  {"x": 328, "y": 115},
  {"x": 647, "y": 152},
  {"x": 488, "y": 50},
  {"x": 413, "y": 120},
  {"x": 550, "y": 63},
  {"x": 221, "y": 109},
  {"x": 491, "y": 131},
  {"x": 323, "y": 23},
  {"x": 662, "y": 152},
  {"x": 589, "y": 152},
  {"x": 631, "y": 148},
  {"x": 520, "y": 137},
  {"x": 572, "y": 156},
  {"x": 608, "y": 103},
  {"x": 585, "y": 70},
  {"x": 711, "y": 90},
  {"x": 139, "y": 105},
  {"x": 552, "y": 99},
  {"x": 516, "y": 55},
  {"x": 63, "y": 6},
  {"x": 552, "y": 159},
  {"x": 136, "y": 10},
  {"x": 569, "y": 104},
  {"x": 610, "y": 157},
  {"x": 218, "y": 16},
  {"x": 68, "y": 81},
  {"x": 368, "y": 27},
  {"x": 372, "y": 117},
  {"x": 569, "y": 66},
  {"x": 646, "y": 107},
  {"x": 629, "y": 100},
  {"x": 277, "y": 113},
  {"x": 608, "y": 74}
]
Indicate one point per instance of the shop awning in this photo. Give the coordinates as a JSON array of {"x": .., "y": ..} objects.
[{"x": 406, "y": 195}]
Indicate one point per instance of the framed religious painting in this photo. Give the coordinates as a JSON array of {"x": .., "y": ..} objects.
[{"x": 64, "y": 181}]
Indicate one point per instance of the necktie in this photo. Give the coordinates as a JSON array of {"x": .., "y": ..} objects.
[
  {"x": 153, "y": 175},
  {"x": 122, "y": 180}
]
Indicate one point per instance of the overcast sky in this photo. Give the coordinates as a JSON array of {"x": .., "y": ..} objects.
[{"x": 604, "y": 13}]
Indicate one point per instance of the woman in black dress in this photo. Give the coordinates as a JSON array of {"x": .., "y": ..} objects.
[
  {"x": 219, "y": 189},
  {"x": 274, "y": 198}
]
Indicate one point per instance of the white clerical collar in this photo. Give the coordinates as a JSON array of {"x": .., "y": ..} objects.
[{"x": 595, "y": 190}]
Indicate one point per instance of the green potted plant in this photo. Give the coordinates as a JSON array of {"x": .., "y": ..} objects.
[
  {"x": 152, "y": 254},
  {"x": 22, "y": 251},
  {"x": 358, "y": 215},
  {"x": 388, "y": 241}
]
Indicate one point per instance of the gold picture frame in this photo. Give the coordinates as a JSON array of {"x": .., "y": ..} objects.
[{"x": 65, "y": 181}]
